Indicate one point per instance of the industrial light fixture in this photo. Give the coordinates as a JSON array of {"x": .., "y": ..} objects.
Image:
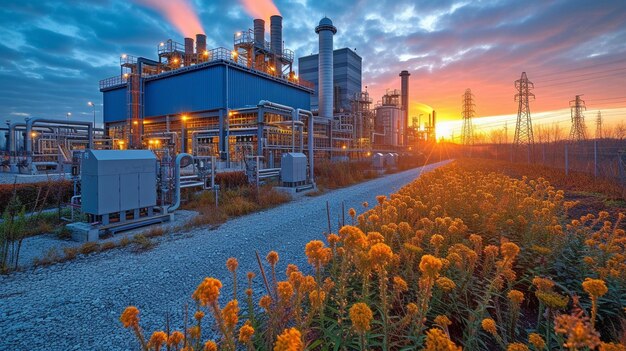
[
  {"x": 162, "y": 44},
  {"x": 206, "y": 53},
  {"x": 135, "y": 122},
  {"x": 184, "y": 118},
  {"x": 33, "y": 134},
  {"x": 125, "y": 75},
  {"x": 344, "y": 147}
]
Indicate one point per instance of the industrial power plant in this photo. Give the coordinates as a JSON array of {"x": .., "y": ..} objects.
[{"x": 174, "y": 120}]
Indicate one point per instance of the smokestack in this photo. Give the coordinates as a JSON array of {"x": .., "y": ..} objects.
[
  {"x": 404, "y": 100},
  {"x": 188, "y": 51},
  {"x": 434, "y": 118},
  {"x": 276, "y": 43},
  {"x": 200, "y": 44},
  {"x": 325, "y": 31},
  {"x": 259, "y": 33}
]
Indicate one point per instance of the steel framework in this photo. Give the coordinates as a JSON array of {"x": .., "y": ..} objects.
[
  {"x": 578, "y": 131},
  {"x": 599, "y": 133},
  {"x": 524, "y": 127},
  {"x": 467, "y": 134}
]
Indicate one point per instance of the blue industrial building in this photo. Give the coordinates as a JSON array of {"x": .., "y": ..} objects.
[{"x": 347, "y": 72}]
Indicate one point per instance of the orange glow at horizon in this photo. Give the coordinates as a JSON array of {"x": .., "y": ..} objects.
[
  {"x": 180, "y": 13},
  {"x": 262, "y": 9}
]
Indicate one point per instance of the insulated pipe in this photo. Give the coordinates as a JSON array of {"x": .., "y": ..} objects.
[
  {"x": 31, "y": 121},
  {"x": 173, "y": 207},
  {"x": 309, "y": 142}
]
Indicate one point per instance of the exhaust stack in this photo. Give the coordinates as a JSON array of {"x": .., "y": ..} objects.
[
  {"x": 276, "y": 43},
  {"x": 325, "y": 31},
  {"x": 200, "y": 44},
  {"x": 404, "y": 101},
  {"x": 259, "y": 33},
  {"x": 188, "y": 51}
]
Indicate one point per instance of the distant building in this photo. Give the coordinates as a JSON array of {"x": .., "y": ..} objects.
[{"x": 346, "y": 73}]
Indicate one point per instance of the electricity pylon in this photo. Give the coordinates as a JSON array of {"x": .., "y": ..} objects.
[
  {"x": 578, "y": 131},
  {"x": 599, "y": 125},
  {"x": 467, "y": 134},
  {"x": 524, "y": 127}
]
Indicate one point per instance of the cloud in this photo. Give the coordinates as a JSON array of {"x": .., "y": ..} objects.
[{"x": 55, "y": 52}]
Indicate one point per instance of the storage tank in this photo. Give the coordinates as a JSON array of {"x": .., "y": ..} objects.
[
  {"x": 259, "y": 33},
  {"x": 389, "y": 122},
  {"x": 325, "y": 31}
]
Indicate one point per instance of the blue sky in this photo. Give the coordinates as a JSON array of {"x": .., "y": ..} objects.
[{"x": 53, "y": 53}]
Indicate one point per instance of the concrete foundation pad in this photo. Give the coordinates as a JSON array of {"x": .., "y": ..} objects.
[
  {"x": 83, "y": 232},
  {"x": 299, "y": 191}
]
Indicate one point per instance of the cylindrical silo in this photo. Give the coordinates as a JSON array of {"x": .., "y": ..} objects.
[
  {"x": 325, "y": 31},
  {"x": 276, "y": 41},
  {"x": 200, "y": 44},
  {"x": 259, "y": 33}
]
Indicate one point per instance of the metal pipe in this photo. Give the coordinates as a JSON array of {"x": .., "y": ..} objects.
[
  {"x": 173, "y": 207},
  {"x": 309, "y": 142}
]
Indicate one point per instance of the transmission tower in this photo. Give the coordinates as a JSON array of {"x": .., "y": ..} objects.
[
  {"x": 467, "y": 134},
  {"x": 524, "y": 127},
  {"x": 578, "y": 131},
  {"x": 599, "y": 125}
]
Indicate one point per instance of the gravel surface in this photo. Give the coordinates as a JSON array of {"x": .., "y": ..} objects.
[{"x": 76, "y": 305}]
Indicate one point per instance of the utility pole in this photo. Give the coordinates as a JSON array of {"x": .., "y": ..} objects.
[
  {"x": 599, "y": 125},
  {"x": 578, "y": 131},
  {"x": 467, "y": 134},
  {"x": 524, "y": 127}
]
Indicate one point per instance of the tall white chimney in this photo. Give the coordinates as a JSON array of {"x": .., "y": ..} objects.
[{"x": 325, "y": 30}]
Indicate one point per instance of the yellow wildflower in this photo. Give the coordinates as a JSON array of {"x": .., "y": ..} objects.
[
  {"x": 516, "y": 346},
  {"x": 289, "y": 340},
  {"x": 612, "y": 347},
  {"x": 157, "y": 340},
  {"x": 230, "y": 314},
  {"x": 445, "y": 283},
  {"x": 543, "y": 284},
  {"x": 509, "y": 250},
  {"x": 595, "y": 287},
  {"x": 380, "y": 254},
  {"x": 552, "y": 299},
  {"x": 232, "y": 264},
  {"x": 198, "y": 315},
  {"x": 317, "y": 299},
  {"x": 272, "y": 257},
  {"x": 437, "y": 340},
  {"x": 361, "y": 316},
  {"x": 516, "y": 296},
  {"x": 130, "y": 317},
  {"x": 537, "y": 341},
  {"x": 245, "y": 333},
  {"x": 265, "y": 302},
  {"x": 208, "y": 291},
  {"x": 210, "y": 346},
  {"x": 352, "y": 212},
  {"x": 400, "y": 285},
  {"x": 430, "y": 265},
  {"x": 489, "y": 325},
  {"x": 285, "y": 291},
  {"x": 443, "y": 321},
  {"x": 317, "y": 254},
  {"x": 175, "y": 339}
]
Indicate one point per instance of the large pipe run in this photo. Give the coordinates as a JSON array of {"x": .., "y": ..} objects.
[
  {"x": 173, "y": 207},
  {"x": 188, "y": 51},
  {"x": 325, "y": 31},
  {"x": 276, "y": 43}
]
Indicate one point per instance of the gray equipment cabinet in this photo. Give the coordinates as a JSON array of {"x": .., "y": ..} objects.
[
  {"x": 293, "y": 169},
  {"x": 117, "y": 181}
]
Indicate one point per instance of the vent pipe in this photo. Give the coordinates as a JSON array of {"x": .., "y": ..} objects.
[
  {"x": 325, "y": 31},
  {"x": 276, "y": 43},
  {"x": 259, "y": 33},
  {"x": 188, "y": 50},
  {"x": 200, "y": 44}
]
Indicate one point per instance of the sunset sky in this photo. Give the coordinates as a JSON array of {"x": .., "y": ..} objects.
[{"x": 55, "y": 52}]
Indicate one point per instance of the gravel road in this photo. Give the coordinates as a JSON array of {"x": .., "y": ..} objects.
[{"x": 76, "y": 305}]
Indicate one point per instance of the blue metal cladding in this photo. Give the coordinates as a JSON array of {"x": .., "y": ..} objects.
[
  {"x": 115, "y": 106},
  {"x": 247, "y": 89},
  {"x": 205, "y": 89},
  {"x": 196, "y": 90}
]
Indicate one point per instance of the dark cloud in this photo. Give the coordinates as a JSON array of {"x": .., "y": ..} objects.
[{"x": 53, "y": 53}]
